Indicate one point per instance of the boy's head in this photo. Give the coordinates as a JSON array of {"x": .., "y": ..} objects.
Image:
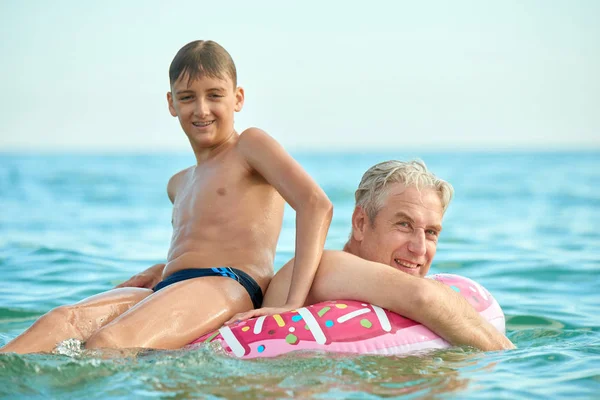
[
  {"x": 202, "y": 58},
  {"x": 204, "y": 93}
]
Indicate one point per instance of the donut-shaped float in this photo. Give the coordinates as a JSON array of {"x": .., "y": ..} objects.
[{"x": 345, "y": 326}]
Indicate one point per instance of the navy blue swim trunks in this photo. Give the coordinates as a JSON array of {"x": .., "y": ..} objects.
[{"x": 243, "y": 278}]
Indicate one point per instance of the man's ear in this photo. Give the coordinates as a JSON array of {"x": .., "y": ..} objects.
[
  {"x": 239, "y": 98},
  {"x": 359, "y": 222},
  {"x": 170, "y": 102}
]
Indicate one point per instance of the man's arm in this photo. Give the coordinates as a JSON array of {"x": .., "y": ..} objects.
[
  {"x": 428, "y": 302},
  {"x": 344, "y": 276},
  {"x": 450, "y": 315}
]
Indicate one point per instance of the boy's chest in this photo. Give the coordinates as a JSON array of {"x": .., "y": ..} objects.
[
  {"x": 214, "y": 191},
  {"x": 209, "y": 183}
]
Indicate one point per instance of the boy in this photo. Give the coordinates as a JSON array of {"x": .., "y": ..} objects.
[{"x": 227, "y": 215}]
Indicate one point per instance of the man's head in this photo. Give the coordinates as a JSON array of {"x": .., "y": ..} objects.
[
  {"x": 398, "y": 215},
  {"x": 204, "y": 93}
]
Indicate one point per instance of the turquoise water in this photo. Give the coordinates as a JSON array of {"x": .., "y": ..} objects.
[{"x": 525, "y": 225}]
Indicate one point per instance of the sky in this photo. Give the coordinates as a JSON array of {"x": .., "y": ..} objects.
[{"x": 83, "y": 76}]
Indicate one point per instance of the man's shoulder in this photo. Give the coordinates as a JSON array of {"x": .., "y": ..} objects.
[{"x": 337, "y": 255}]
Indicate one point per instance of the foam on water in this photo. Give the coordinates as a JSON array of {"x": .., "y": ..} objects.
[{"x": 70, "y": 348}]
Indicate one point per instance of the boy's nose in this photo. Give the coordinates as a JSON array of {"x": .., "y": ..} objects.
[
  {"x": 202, "y": 108},
  {"x": 416, "y": 243}
]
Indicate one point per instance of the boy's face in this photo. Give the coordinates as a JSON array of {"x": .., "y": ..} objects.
[{"x": 205, "y": 108}]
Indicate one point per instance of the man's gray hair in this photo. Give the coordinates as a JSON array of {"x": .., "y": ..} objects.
[{"x": 372, "y": 189}]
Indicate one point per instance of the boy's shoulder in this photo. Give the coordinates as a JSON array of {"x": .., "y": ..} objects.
[
  {"x": 252, "y": 134},
  {"x": 175, "y": 181},
  {"x": 255, "y": 141},
  {"x": 265, "y": 155}
]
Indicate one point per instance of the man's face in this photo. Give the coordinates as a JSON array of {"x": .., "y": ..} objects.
[{"x": 405, "y": 232}]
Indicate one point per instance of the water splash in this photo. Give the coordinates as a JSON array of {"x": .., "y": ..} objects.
[{"x": 70, "y": 348}]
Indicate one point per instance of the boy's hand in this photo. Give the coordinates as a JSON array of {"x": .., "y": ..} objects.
[
  {"x": 145, "y": 279},
  {"x": 259, "y": 313}
]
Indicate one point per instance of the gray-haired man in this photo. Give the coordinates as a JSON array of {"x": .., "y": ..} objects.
[{"x": 396, "y": 223}]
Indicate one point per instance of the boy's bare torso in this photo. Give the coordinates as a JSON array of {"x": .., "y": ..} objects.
[{"x": 224, "y": 215}]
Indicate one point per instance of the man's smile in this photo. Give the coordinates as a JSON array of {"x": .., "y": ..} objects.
[{"x": 407, "y": 266}]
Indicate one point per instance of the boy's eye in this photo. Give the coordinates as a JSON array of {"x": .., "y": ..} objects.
[
  {"x": 215, "y": 96},
  {"x": 184, "y": 98}
]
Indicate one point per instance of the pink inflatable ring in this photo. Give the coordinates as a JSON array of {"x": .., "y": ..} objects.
[{"x": 345, "y": 326}]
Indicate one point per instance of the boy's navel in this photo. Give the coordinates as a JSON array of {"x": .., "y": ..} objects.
[{"x": 221, "y": 191}]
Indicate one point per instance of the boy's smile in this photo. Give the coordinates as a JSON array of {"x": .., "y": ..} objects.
[
  {"x": 205, "y": 108},
  {"x": 202, "y": 124}
]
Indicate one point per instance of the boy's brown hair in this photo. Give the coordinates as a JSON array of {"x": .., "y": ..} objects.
[{"x": 202, "y": 58}]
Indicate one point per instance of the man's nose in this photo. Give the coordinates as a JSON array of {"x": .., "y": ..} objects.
[{"x": 416, "y": 244}]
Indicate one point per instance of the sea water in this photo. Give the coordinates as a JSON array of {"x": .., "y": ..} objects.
[{"x": 525, "y": 225}]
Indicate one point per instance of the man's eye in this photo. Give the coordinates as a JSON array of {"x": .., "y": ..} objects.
[
  {"x": 403, "y": 224},
  {"x": 432, "y": 232},
  {"x": 184, "y": 98}
]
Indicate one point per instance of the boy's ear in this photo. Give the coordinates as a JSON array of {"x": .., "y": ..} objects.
[
  {"x": 239, "y": 99},
  {"x": 171, "y": 107},
  {"x": 359, "y": 221}
]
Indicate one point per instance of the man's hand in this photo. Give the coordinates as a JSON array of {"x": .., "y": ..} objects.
[
  {"x": 259, "y": 312},
  {"x": 145, "y": 279},
  {"x": 455, "y": 320}
]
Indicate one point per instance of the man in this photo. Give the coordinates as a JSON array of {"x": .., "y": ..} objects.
[{"x": 395, "y": 228}]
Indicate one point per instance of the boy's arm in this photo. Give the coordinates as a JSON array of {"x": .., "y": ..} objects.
[
  {"x": 145, "y": 279},
  {"x": 151, "y": 276},
  {"x": 313, "y": 208}
]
